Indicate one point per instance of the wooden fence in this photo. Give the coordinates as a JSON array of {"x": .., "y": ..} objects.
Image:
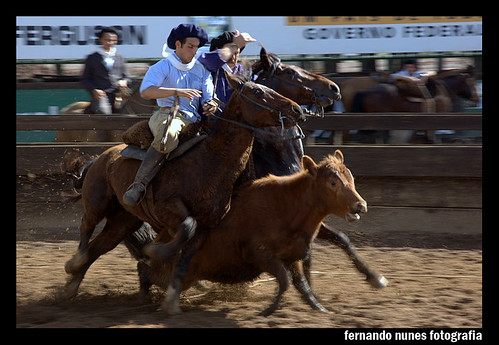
[
  {"x": 434, "y": 188},
  {"x": 365, "y": 160}
]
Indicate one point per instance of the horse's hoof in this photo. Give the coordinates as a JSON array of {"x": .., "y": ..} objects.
[
  {"x": 171, "y": 303},
  {"x": 144, "y": 297},
  {"x": 378, "y": 281},
  {"x": 171, "y": 309},
  {"x": 73, "y": 265},
  {"x": 69, "y": 291}
]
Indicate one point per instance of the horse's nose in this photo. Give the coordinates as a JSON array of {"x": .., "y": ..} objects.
[
  {"x": 299, "y": 112},
  {"x": 336, "y": 91}
]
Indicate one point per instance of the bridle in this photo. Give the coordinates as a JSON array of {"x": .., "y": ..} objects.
[
  {"x": 293, "y": 82},
  {"x": 255, "y": 129}
]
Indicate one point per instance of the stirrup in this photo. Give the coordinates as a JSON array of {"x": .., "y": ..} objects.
[{"x": 142, "y": 194}]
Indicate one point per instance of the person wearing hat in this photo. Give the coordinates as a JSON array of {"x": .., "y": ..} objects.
[
  {"x": 104, "y": 72},
  {"x": 179, "y": 74},
  {"x": 410, "y": 69},
  {"x": 223, "y": 56}
]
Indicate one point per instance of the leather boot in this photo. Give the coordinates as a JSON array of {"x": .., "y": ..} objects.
[{"x": 148, "y": 169}]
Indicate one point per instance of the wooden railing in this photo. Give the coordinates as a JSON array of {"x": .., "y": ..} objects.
[{"x": 365, "y": 160}]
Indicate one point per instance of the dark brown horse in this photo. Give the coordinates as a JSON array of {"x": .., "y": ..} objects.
[
  {"x": 270, "y": 153},
  {"x": 300, "y": 85},
  {"x": 269, "y": 228},
  {"x": 194, "y": 189},
  {"x": 403, "y": 96}
]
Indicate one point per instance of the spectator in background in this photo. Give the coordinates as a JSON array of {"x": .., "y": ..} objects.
[
  {"x": 105, "y": 71},
  {"x": 410, "y": 69}
]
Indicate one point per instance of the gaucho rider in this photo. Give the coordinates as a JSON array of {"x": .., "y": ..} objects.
[
  {"x": 224, "y": 56},
  {"x": 179, "y": 74}
]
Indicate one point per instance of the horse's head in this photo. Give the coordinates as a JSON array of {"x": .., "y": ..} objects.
[
  {"x": 261, "y": 106},
  {"x": 300, "y": 85},
  {"x": 461, "y": 82},
  {"x": 335, "y": 183}
]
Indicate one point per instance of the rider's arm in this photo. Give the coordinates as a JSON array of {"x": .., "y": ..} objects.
[
  {"x": 155, "y": 92},
  {"x": 212, "y": 61}
]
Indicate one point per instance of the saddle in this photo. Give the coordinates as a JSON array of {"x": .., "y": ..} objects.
[
  {"x": 415, "y": 91},
  {"x": 139, "y": 137}
]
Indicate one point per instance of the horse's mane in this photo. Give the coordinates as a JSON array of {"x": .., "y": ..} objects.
[
  {"x": 257, "y": 67},
  {"x": 243, "y": 77}
]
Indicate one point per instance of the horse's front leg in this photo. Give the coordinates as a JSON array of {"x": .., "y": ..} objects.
[
  {"x": 166, "y": 251},
  {"x": 118, "y": 227},
  {"x": 88, "y": 223},
  {"x": 338, "y": 238},
  {"x": 171, "y": 304}
]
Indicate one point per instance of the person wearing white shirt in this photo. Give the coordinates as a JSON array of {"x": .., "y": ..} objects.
[{"x": 179, "y": 74}]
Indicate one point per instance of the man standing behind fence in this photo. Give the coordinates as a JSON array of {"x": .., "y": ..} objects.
[{"x": 105, "y": 71}]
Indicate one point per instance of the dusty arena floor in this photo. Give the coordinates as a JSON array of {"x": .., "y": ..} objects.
[{"x": 435, "y": 281}]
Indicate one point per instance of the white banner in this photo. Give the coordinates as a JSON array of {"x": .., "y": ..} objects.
[
  {"x": 355, "y": 35},
  {"x": 143, "y": 37},
  {"x": 74, "y": 37}
]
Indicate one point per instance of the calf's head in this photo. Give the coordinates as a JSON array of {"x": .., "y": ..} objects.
[{"x": 335, "y": 187}]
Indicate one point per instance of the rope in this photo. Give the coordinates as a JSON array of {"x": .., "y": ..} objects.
[
  {"x": 392, "y": 275},
  {"x": 399, "y": 275}
]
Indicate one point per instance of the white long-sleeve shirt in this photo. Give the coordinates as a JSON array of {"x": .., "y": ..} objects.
[{"x": 194, "y": 75}]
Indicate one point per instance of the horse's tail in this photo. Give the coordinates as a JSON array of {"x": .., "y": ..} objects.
[
  {"x": 138, "y": 240},
  {"x": 357, "y": 102},
  {"x": 76, "y": 164}
]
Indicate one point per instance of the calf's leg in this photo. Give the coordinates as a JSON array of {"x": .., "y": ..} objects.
[
  {"x": 301, "y": 284},
  {"x": 270, "y": 264},
  {"x": 340, "y": 239}
]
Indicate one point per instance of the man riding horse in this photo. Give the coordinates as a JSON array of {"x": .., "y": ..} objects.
[
  {"x": 178, "y": 75},
  {"x": 223, "y": 56}
]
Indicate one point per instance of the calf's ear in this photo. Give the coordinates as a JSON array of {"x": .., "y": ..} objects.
[
  {"x": 339, "y": 156},
  {"x": 309, "y": 164}
]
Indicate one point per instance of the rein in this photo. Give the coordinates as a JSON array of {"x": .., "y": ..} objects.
[{"x": 255, "y": 129}]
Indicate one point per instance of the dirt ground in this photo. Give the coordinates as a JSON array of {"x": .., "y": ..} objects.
[{"x": 435, "y": 281}]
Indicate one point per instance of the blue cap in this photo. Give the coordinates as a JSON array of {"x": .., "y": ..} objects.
[{"x": 186, "y": 30}]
